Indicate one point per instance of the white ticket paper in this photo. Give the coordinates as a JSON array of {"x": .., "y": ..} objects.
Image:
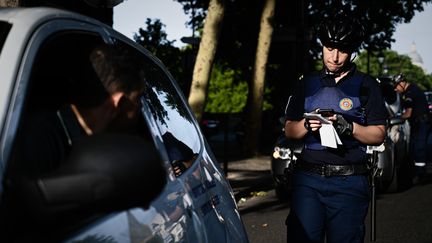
[{"x": 329, "y": 136}]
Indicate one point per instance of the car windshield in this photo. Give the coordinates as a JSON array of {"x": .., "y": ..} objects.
[{"x": 4, "y": 31}]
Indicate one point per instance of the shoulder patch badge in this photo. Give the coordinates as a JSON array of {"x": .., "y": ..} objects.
[{"x": 346, "y": 104}]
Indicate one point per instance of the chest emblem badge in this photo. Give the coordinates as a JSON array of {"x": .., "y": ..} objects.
[{"x": 346, "y": 104}]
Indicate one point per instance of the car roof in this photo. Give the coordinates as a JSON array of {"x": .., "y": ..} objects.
[{"x": 37, "y": 14}]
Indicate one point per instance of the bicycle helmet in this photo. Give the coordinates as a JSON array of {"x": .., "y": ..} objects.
[
  {"x": 398, "y": 78},
  {"x": 342, "y": 32}
]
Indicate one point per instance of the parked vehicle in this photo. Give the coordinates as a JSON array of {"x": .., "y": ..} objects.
[
  {"x": 106, "y": 193},
  {"x": 428, "y": 95},
  {"x": 393, "y": 161},
  {"x": 283, "y": 159}
]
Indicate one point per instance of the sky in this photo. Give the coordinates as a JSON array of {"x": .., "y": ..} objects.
[
  {"x": 419, "y": 32},
  {"x": 130, "y": 15}
]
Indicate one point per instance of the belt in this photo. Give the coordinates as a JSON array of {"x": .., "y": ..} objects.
[{"x": 328, "y": 170}]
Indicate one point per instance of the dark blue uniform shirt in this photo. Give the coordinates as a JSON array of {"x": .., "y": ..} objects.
[
  {"x": 372, "y": 104},
  {"x": 414, "y": 98}
]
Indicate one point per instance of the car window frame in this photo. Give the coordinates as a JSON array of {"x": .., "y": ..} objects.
[
  {"x": 146, "y": 110},
  {"x": 5, "y": 27},
  {"x": 19, "y": 87}
]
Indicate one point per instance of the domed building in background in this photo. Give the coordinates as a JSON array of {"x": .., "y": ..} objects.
[{"x": 416, "y": 59}]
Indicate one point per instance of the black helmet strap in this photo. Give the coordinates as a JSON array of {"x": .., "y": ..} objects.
[{"x": 343, "y": 69}]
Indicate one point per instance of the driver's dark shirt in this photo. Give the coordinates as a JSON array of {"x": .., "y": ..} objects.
[{"x": 46, "y": 140}]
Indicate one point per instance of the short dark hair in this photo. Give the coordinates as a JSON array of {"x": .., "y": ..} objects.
[
  {"x": 107, "y": 69},
  {"x": 118, "y": 68}
]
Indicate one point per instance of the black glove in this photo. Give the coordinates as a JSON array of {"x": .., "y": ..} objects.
[
  {"x": 307, "y": 125},
  {"x": 342, "y": 126}
]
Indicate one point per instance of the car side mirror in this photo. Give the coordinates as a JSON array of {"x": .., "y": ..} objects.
[{"x": 103, "y": 173}]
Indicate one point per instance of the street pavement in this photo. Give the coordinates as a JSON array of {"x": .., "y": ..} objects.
[
  {"x": 250, "y": 179},
  {"x": 263, "y": 214},
  {"x": 402, "y": 217}
]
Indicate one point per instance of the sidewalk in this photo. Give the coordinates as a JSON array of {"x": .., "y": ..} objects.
[{"x": 250, "y": 177}]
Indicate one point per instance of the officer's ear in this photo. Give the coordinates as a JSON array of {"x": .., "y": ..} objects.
[{"x": 117, "y": 98}]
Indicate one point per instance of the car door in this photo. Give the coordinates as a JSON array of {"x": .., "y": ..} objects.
[
  {"x": 170, "y": 218},
  {"x": 212, "y": 203},
  {"x": 198, "y": 197},
  {"x": 57, "y": 45}
]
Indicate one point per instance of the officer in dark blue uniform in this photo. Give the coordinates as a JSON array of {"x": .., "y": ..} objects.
[
  {"x": 416, "y": 111},
  {"x": 330, "y": 196}
]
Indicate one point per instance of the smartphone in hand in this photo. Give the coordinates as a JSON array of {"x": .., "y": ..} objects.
[
  {"x": 326, "y": 112},
  {"x": 317, "y": 116}
]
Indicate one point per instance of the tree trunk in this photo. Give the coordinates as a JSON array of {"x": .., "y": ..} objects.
[
  {"x": 205, "y": 57},
  {"x": 256, "y": 91},
  {"x": 10, "y": 3}
]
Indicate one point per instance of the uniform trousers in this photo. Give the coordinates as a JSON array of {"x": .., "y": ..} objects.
[
  {"x": 418, "y": 139},
  {"x": 333, "y": 207}
]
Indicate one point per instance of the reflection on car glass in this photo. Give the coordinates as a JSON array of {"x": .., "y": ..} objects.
[
  {"x": 180, "y": 155},
  {"x": 162, "y": 93}
]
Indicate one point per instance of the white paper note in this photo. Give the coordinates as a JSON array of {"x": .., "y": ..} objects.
[{"x": 329, "y": 136}]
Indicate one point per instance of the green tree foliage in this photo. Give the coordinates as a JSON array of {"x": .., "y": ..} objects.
[
  {"x": 197, "y": 11},
  {"x": 239, "y": 34},
  {"x": 295, "y": 47},
  {"x": 154, "y": 39},
  {"x": 178, "y": 61},
  {"x": 298, "y": 18},
  {"x": 394, "y": 64},
  {"x": 228, "y": 92}
]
